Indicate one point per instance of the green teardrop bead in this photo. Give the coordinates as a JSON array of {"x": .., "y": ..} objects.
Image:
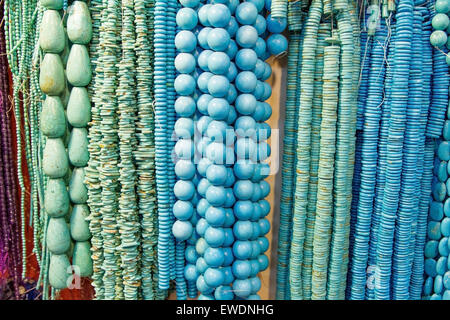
[
  {"x": 77, "y": 189},
  {"x": 79, "y": 24},
  {"x": 79, "y": 71},
  {"x": 78, "y": 147},
  {"x": 52, "y": 4},
  {"x": 79, "y": 107},
  {"x": 53, "y": 118},
  {"x": 69, "y": 252},
  {"x": 58, "y": 237},
  {"x": 56, "y": 200},
  {"x": 59, "y": 271},
  {"x": 79, "y": 227},
  {"x": 51, "y": 77},
  {"x": 55, "y": 162},
  {"x": 51, "y": 36},
  {"x": 65, "y": 53},
  {"x": 82, "y": 258},
  {"x": 65, "y": 95}
]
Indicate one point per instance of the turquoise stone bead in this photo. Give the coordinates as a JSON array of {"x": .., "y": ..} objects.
[
  {"x": 436, "y": 211},
  {"x": 79, "y": 24},
  {"x": 438, "y": 285},
  {"x": 79, "y": 107},
  {"x": 55, "y": 162},
  {"x": 65, "y": 53},
  {"x": 53, "y": 118},
  {"x": 59, "y": 271},
  {"x": 51, "y": 76},
  {"x": 78, "y": 70},
  {"x": 56, "y": 199},
  {"x": 445, "y": 227},
  {"x": 69, "y": 252},
  {"x": 79, "y": 227},
  {"x": 442, "y": 6},
  {"x": 82, "y": 258},
  {"x": 58, "y": 237},
  {"x": 52, "y": 35},
  {"x": 438, "y": 38},
  {"x": 442, "y": 171},
  {"x": 430, "y": 267},
  {"x": 439, "y": 191},
  {"x": 434, "y": 230},
  {"x": 443, "y": 247},
  {"x": 428, "y": 286},
  {"x": 440, "y": 21},
  {"x": 77, "y": 188},
  {"x": 441, "y": 265},
  {"x": 52, "y": 4},
  {"x": 78, "y": 147}
]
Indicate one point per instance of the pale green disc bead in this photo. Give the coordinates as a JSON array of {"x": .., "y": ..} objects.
[
  {"x": 59, "y": 271},
  {"x": 51, "y": 77},
  {"x": 440, "y": 21},
  {"x": 51, "y": 36},
  {"x": 56, "y": 199},
  {"x": 78, "y": 70},
  {"x": 78, "y": 147},
  {"x": 69, "y": 252},
  {"x": 52, "y": 4},
  {"x": 77, "y": 188},
  {"x": 79, "y": 23},
  {"x": 53, "y": 118},
  {"x": 58, "y": 236},
  {"x": 55, "y": 162},
  {"x": 442, "y": 6},
  {"x": 79, "y": 227},
  {"x": 438, "y": 38},
  {"x": 82, "y": 261},
  {"x": 79, "y": 107}
]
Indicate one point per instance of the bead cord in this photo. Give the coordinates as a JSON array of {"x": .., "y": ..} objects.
[
  {"x": 287, "y": 166},
  {"x": 303, "y": 147}
]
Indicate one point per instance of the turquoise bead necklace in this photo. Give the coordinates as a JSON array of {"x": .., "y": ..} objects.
[{"x": 79, "y": 73}]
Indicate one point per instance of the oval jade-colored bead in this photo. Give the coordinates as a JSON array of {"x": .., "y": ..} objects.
[
  {"x": 77, "y": 189},
  {"x": 79, "y": 227},
  {"x": 56, "y": 200},
  {"x": 53, "y": 118},
  {"x": 58, "y": 237},
  {"x": 59, "y": 272},
  {"x": 52, "y": 35},
  {"x": 55, "y": 162},
  {"x": 82, "y": 258},
  {"x": 52, "y": 4},
  {"x": 51, "y": 77},
  {"x": 79, "y": 107},
  {"x": 78, "y": 69},
  {"x": 79, "y": 23},
  {"x": 78, "y": 147}
]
